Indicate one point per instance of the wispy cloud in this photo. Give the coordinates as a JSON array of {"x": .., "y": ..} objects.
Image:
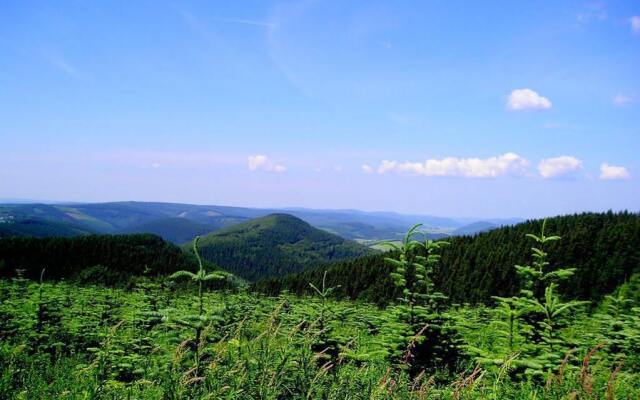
[
  {"x": 613, "y": 172},
  {"x": 60, "y": 63},
  {"x": 260, "y": 162},
  {"x": 505, "y": 164},
  {"x": 527, "y": 99},
  {"x": 367, "y": 169},
  {"x": 635, "y": 23},
  {"x": 281, "y": 15},
  {"x": 621, "y": 100},
  {"x": 263, "y": 24},
  {"x": 557, "y": 167}
]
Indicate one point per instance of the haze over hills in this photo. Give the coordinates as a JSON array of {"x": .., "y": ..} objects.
[
  {"x": 174, "y": 229},
  {"x": 31, "y": 227},
  {"x": 474, "y": 228},
  {"x": 275, "y": 245},
  {"x": 181, "y": 222}
]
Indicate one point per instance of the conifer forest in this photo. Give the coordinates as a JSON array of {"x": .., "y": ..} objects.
[{"x": 197, "y": 333}]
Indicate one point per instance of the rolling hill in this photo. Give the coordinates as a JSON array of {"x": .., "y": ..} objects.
[
  {"x": 474, "y": 228},
  {"x": 173, "y": 220},
  {"x": 33, "y": 227},
  {"x": 275, "y": 245},
  {"x": 603, "y": 247},
  {"x": 174, "y": 229}
]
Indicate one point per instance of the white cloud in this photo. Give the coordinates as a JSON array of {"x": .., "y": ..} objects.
[
  {"x": 505, "y": 164},
  {"x": 559, "y": 166},
  {"x": 613, "y": 172},
  {"x": 635, "y": 23},
  {"x": 367, "y": 169},
  {"x": 620, "y": 100},
  {"x": 260, "y": 162},
  {"x": 527, "y": 99}
]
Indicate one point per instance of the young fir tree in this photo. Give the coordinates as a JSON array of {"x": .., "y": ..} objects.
[
  {"x": 531, "y": 322},
  {"x": 619, "y": 326},
  {"x": 326, "y": 346},
  {"x": 198, "y": 321},
  {"x": 47, "y": 334},
  {"x": 423, "y": 336}
]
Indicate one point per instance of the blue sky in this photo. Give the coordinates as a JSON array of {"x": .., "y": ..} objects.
[{"x": 484, "y": 109}]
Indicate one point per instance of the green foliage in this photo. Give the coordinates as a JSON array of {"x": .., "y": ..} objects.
[
  {"x": 156, "y": 340},
  {"x": 199, "y": 321},
  {"x": 423, "y": 336},
  {"x": 35, "y": 227},
  {"x": 261, "y": 348},
  {"x": 528, "y": 325},
  {"x": 602, "y": 247},
  {"x": 93, "y": 259},
  {"x": 275, "y": 245}
]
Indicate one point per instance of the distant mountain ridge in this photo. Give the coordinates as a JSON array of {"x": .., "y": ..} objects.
[
  {"x": 474, "y": 228},
  {"x": 174, "y": 229},
  {"x": 275, "y": 245},
  {"x": 38, "y": 228},
  {"x": 175, "y": 222}
]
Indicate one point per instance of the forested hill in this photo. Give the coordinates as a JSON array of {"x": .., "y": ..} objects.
[
  {"x": 35, "y": 227},
  {"x": 95, "y": 258},
  {"x": 274, "y": 246},
  {"x": 604, "y": 247}
]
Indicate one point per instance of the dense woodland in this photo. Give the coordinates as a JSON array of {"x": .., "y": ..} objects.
[
  {"x": 174, "y": 333},
  {"x": 603, "y": 247},
  {"x": 274, "y": 246},
  {"x": 107, "y": 259},
  {"x": 34, "y": 227}
]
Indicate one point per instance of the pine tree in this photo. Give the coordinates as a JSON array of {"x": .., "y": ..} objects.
[
  {"x": 199, "y": 321},
  {"x": 423, "y": 335},
  {"x": 532, "y": 321}
]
